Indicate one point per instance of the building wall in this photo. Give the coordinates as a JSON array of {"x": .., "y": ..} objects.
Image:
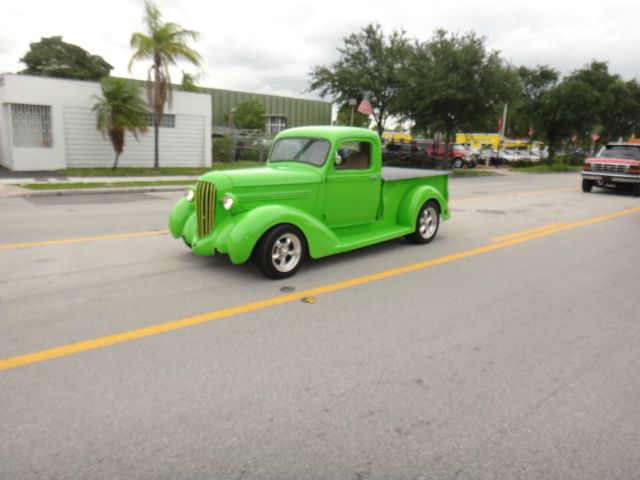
[
  {"x": 298, "y": 111},
  {"x": 76, "y": 142}
]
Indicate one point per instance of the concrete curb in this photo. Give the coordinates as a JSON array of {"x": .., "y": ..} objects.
[{"x": 92, "y": 191}]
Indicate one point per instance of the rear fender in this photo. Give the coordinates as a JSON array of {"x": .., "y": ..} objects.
[{"x": 413, "y": 201}]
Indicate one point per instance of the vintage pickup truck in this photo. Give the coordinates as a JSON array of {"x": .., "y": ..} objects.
[{"x": 323, "y": 191}]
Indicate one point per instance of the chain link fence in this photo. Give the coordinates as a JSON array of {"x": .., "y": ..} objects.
[{"x": 241, "y": 145}]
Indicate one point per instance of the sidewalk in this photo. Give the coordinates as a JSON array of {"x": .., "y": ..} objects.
[{"x": 9, "y": 181}]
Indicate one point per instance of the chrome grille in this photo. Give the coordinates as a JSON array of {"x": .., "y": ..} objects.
[
  {"x": 205, "y": 207},
  {"x": 609, "y": 168}
]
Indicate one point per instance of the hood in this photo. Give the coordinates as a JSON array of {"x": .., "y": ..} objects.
[{"x": 264, "y": 176}]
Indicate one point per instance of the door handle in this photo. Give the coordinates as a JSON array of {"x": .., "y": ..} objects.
[{"x": 374, "y": 177}]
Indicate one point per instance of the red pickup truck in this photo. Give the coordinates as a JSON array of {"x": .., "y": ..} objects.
[{"x": 615, "y": 165}]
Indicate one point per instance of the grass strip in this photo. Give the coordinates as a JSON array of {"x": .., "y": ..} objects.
[
  {"x": 154, "y": 172},
  {"x": 474, "y": 173},
  {"x": 553, "y": 168}
]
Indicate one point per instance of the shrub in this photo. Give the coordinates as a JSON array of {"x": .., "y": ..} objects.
[{"x": 221, "y": 149}]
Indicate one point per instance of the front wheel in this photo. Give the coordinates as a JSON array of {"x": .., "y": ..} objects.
[
  {"x": 426, "y": 224},
  {"x": 587, "y": 185},
  {"x": 281, "y": 251}
]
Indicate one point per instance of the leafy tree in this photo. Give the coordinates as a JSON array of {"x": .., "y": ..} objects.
[
  {"x": 164, "y": 43},
  {"x": 344, "y": 117},
  {"x": 51, "y": 57},
  {"x": 250, "y": 115},
  {"x": 368, "y": 66},
  {"x": 453, "y": 82},
  {"x": 618, "y": 110},
  {"x": 534, "y": 82},
  {"x": 568, "y": 108},
  {"x": 119, "y": 110},
  {"x": 188, "y": 83}
]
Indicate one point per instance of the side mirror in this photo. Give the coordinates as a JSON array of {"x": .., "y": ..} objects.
[{"x": 338, "y": 159}]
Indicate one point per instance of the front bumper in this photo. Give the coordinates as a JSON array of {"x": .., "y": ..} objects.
[{"x": 603, "y": 177}]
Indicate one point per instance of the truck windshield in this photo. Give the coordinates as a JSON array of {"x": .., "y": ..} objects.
[
  {"x": 621, "y": 151},
  {"x": 313, "y": 151}
]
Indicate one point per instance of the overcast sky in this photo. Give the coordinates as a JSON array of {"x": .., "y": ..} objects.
[{"x": 270, "y": 47}]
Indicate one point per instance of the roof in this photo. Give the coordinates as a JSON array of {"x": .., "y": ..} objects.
[{"x": 329, "y": 132}]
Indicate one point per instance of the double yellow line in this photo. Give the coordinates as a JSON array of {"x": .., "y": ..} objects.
[{"x": 93, "y": 344}]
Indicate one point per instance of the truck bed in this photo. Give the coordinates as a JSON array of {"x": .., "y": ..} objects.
[{"x": 398, "y": 173}]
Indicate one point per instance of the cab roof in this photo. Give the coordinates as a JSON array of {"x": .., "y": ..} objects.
[{"x": 332, "y": 133}]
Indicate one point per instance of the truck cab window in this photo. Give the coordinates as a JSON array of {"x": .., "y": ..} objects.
[{"x": 354, "y": 156}]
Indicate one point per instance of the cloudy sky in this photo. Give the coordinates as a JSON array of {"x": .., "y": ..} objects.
[{"x": 270, "y": 47}]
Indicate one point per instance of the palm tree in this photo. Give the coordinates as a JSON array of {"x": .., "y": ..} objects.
[
  {"x": 163, "y": 43},
  {"x": 118, "y": 110}
]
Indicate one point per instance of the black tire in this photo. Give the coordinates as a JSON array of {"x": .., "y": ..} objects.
[
  {"x": 636, "y": 190},
  {"x": 471, "y": 164},
  {"x": 457, "y": 162},
  {"x": 427, "y": 223},
  {"x": 281, "y": 251},
  {"x": 587, "y": 185}
]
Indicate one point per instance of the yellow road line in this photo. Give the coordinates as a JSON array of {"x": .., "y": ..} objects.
[
  {"x": 511, "y": 194},
  {"x": 83, "y": 346},
  {"x": 83, "y": 239},
  {"x": 526, "y": 232}
]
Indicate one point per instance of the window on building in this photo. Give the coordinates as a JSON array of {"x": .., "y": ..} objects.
[
  {"x": 275, "y": 125},
  {"x": 168, "y": 120},
  {"x": 31, "y": 125}
]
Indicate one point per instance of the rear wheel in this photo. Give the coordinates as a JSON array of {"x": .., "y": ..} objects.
[
  {"x": 457, "y": 162},
  {"x": 587, "y": 185},
  {"x": 281, "y": 251},
  {"x": 426, "y": 224}
]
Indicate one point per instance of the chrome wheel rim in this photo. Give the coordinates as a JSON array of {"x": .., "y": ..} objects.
[
  {"x": 286, "y": 252},
  {"x": 428, "y": 222}
]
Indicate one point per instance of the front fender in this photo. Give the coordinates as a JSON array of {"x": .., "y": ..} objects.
[
  {"x": 413, "y": 201},
  {"x": 244, "y": 231},
  {"x": 179, "y": 216}
]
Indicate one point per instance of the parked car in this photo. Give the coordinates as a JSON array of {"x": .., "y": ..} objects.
[
  {"x": 616, "y": 165},
  {"x": 459, "y": 154}
]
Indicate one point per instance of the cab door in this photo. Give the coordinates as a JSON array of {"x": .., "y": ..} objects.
[{"x": 353, "y": 185}]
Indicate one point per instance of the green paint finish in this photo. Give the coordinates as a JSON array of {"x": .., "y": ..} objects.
[{"x": 337, "y": 208}]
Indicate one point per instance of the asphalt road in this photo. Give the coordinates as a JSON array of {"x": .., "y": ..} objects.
[{"x": 482, "y": 355}]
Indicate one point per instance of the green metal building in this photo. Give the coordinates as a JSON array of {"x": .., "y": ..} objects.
[{"x": 281, "y": 112}]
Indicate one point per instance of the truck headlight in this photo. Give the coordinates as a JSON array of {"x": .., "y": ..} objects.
[
  {"x": 189, "y": 194},
  {"x": 227, "y": 201}
]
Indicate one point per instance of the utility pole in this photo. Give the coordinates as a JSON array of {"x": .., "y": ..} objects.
[
  {"x": 503, "y": 127},
  {"x": 352, "y": 103}
]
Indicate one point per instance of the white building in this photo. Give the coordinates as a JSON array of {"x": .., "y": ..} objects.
[{"x": 48, "y": 124}]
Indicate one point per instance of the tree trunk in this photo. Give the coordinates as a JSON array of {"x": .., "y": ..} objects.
[
  {"x": 156, "y": 159},
  {"x": 115, "y": 164},
  {"x": 156, "y": 117},
  {"x": 445, "y": 153}
]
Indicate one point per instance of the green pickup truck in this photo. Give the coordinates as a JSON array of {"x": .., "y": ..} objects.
[{"x": 323, "y": 191}]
